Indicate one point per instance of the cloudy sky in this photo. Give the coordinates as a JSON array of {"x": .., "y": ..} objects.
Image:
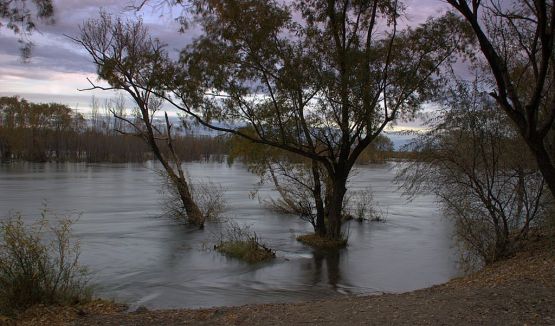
[{"x": 59, "y": 67}]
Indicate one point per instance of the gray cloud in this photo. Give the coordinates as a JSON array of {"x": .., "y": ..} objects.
[
  {"x": 55, "y": 53},
  {"x": 46, "y": 58}
]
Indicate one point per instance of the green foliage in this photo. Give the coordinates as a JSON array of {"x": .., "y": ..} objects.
[
  {"x": 242, "y": 243},
  {"x": 39, "y": 264},
  {"x": 313, "y": 78},
  {"x": 27, "y": 129},
  {"x": 16, "y": 112}
]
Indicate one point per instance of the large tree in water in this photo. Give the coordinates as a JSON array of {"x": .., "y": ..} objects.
[
  {"x": 321, "y": 79},
  {"x": 132, "y": 62}
]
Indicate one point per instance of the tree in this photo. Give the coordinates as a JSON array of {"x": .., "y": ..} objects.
[
  {"x": 301, "y": 185},
  {"x": 472, "y": 159},
  {"x": 516, "y": 39},
  {"x": 130, "y": 60},
  {"x": 320, "y": 79},
  {"x": 300, "y": 182},
  {"x": 33, "y": 131},
  {"x": 377, "y": 151},
  {"x": 20, "y": 16}
]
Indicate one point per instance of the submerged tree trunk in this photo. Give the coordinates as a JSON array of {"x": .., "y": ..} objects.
[
  {"x": 335, "y": 209},
  {"x": 320, "y": 227},
  {"x": 194, "y": 214},
  {"x": 179, "y": 181}
]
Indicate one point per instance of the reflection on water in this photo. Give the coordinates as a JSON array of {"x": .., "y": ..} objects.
[
  {"x": 326, "y": 268},
  {"x": 143, "y": 259}
]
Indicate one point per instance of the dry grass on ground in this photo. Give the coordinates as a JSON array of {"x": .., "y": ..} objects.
[{"x": 62, "y": 315}]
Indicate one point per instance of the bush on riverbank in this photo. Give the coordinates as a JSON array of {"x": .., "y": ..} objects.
[
  {"x": 242, "y": 243},
  {"x": 323, "y": 243},
  {"x": 39, "y": 265}
]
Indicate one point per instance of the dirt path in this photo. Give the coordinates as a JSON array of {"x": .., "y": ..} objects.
[
  {"x": 503, "y": 305},
  {"x": 520, "y": 291}
]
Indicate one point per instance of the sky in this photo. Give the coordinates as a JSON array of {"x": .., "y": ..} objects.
[{"x": 59, "y": 68}]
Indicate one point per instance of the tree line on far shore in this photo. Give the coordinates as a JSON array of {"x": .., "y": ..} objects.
[
  {"x": 54, "y": 132},
  {"x": 46, "y": 132}
]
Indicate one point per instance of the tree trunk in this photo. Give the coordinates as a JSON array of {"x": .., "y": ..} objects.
[
  {"x": 335, "y": 210},
  {"x": 546, "y": 166},
  {"x": 320, "y": 227},
  {"x": 194, "y": 214}
]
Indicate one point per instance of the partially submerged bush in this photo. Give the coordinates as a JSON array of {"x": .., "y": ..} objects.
[
  {"x": 242, "y": 243},
  {"x": 39, "y": 265},
  {"x": 322, "y": 243},
  {"x": 366, "y": 207},
  {"x": 208, "y": 196}
]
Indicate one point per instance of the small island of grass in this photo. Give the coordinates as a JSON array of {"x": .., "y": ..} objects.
[
  {"x": 247, "y": 250},
  {"x": 323, "y": 243},
  {"x": 242, "y": 243}
]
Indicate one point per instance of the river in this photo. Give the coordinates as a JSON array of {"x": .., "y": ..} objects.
[{"x": 139, "y": 257}]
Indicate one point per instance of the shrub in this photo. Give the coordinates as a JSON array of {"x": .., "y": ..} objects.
[
  {"x": 366, "y": 207},
  {"x": 39, "y": 264},
  {"x": 485, "y": 178},
  {"x": 242, "y": 243},
  {"x": 208, "y": 196}
]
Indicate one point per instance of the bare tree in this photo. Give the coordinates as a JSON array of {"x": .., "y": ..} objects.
[
  {"x": 516, "y": 38},
  {"x": 473, "y": 160},
  {"x": 130, "y": 60}
]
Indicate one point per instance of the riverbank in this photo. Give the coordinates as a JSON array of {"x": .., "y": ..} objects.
[{"x": 517, "y": 291}]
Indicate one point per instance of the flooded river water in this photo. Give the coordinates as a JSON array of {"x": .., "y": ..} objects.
[{"x": 137, "y": 256}]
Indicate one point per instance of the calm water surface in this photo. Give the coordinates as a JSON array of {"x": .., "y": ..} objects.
[{"x": 141, "y": 258}]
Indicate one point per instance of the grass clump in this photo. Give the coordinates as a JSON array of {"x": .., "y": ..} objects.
[
  {"x": 242, "y": 243},
  {"x": 39, "y": 265},
  {"x": 323, "y": 243}
]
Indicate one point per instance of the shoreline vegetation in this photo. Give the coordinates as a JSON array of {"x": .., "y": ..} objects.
[
  {"x": 37, "y": 132},
  {"x": 40, "y": 132},
  {"x": 515, "y": 291}
]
